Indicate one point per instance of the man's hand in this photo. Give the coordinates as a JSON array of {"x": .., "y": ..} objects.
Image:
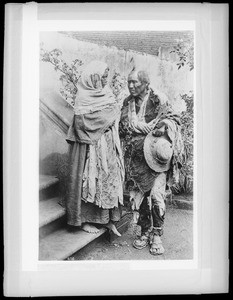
[
  {"x": 159, "y": 130},
  {"x": 144, "y": 127}
]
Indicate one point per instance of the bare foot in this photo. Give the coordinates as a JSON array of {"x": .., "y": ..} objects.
[
  {"x": 112, "y": 228},
  {"x": 156, "y": 247},
  {"x": 89, "y": 228}
]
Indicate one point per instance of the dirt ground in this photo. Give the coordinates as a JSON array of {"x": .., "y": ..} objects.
[{"x": 177, "y": 241}]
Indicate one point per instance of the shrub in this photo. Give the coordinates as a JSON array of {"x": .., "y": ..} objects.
[{"x": 185, "y": 184}]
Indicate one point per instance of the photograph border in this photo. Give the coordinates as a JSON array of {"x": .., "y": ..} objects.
[{"x": 201, "y": 277}]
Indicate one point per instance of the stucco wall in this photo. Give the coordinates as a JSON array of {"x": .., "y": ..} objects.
[{"x": 163, "y": 70}]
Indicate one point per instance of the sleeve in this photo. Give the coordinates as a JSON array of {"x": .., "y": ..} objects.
[{"x": 124, "y": 128}]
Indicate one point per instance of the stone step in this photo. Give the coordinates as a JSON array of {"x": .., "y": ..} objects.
[
  {"x": 51, "y": 216},
  {"x": 49, "y": 186},
  {"x": 47, "y": 180},
  {"x": 63, "y": 243},
  {"x": 50, "y": 210},
  {"x": 122, "y": 226},
  {"x": 66, "y": 242}
]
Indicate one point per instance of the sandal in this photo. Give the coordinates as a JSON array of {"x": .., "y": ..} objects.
[
  {"x": 156, "y": 247},
  {"x": 142, "y": 241}
]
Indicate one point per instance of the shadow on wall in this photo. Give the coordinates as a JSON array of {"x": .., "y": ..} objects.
[{"x": 56, "y": 164}]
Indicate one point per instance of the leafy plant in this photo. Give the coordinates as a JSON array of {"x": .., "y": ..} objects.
[
  {"x": 70, "y": 74},
  {"x": 118, "y": 83},
  {"x": 185, "y": 184},
  {"x": 185, "y": 52}
]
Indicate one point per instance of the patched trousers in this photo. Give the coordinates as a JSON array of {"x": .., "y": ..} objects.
[{"x": 152, "y": 209}]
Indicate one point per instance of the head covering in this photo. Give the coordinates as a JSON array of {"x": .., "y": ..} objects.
[
  {"x": 89, "y": 97},
  {"x": 158, "y": 152},
  {"x": 94, "y": 67}
]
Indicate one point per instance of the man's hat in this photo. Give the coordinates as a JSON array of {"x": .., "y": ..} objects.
[{"x": 158, "y": 152}]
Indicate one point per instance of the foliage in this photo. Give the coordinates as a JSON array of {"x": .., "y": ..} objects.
[
  {"x": 185, "y": 184},
  {"x": 70, "y": 74},
  {"x": 118, "y": 83},
  {"x": 185, "y": 52}
]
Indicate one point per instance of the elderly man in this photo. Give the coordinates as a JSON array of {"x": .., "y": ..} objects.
[{"x": 152, "y": 145}]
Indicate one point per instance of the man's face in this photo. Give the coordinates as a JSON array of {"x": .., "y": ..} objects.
[{"x": 135, "y": 86}]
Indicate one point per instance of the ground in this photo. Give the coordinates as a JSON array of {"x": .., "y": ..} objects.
[{"x": 177, "y": 241}]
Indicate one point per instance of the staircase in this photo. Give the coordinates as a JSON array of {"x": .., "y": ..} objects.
[{"x": 56, "y": 240}]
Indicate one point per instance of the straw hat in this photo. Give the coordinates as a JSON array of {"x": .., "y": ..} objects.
[{"x": 158, "y": 152}]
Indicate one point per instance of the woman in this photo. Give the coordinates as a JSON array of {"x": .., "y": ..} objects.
[{"x": 95, "y": 191}]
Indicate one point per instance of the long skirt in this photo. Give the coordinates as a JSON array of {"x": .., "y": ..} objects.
[{"x": 78, "y": 210}]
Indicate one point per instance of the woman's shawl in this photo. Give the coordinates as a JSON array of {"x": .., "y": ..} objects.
[
  {"x": 95, "y": 107},
  {"x": 91, "y": 96},
  {"x": 88, "y": 128}
]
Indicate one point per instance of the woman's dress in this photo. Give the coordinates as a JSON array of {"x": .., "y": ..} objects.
[{"x": 95, "y": 185}]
